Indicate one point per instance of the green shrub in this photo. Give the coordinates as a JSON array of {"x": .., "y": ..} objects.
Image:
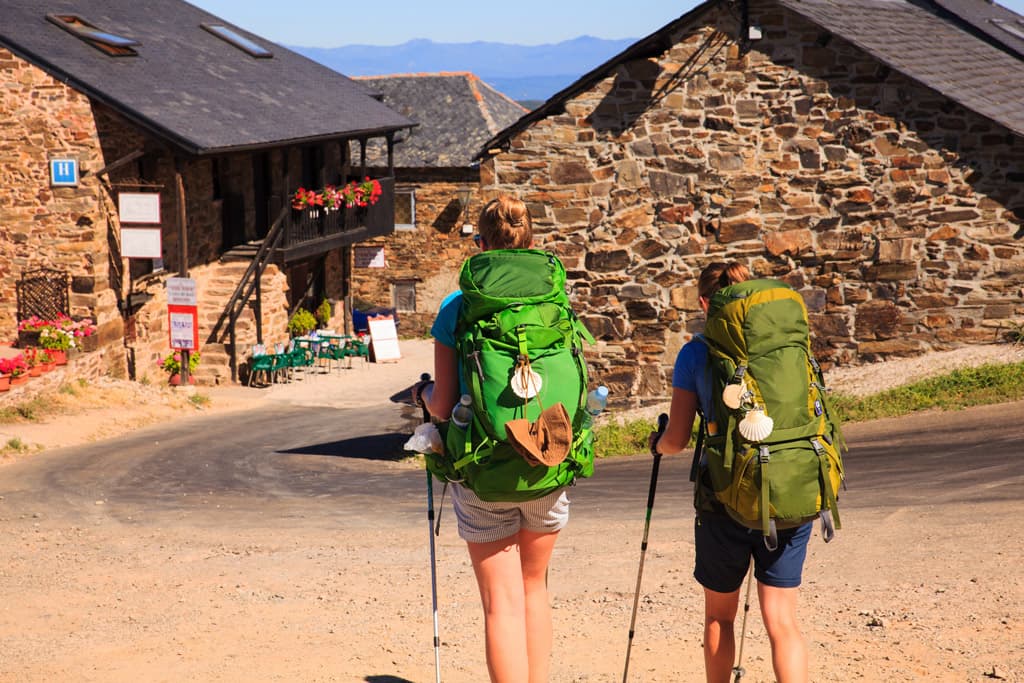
[
  {"x": 301, "y": 323},
  {"x": 323, "y": 313}
]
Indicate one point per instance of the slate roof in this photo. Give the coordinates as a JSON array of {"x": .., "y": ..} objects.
[
  {"x": 951, "y": 46},
  {"x": 933, "y": 51},
  {"x": 189, "y": 86},
  {"x": 457, "y": 113}
]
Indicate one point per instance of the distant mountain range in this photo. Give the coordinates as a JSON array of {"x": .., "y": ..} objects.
[{"x": 522, "y": 72}]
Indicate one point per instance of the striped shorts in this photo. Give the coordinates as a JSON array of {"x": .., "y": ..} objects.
[{"x": 481, "y": 521}]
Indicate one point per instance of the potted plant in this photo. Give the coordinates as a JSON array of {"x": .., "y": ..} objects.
[
  {"x": 323, "y": 313},
  {"x": 83, "y": 330},
  {"x": 57, "y": 342},
  {"x": 306, "y": 199},
  {"x": 15, "y": 369},
  {"x": 35, "y": 369},
  {"x": 171, "y": 364},
  {"x": 45, "y": 360},
  {"x": 301, "y": 323}
]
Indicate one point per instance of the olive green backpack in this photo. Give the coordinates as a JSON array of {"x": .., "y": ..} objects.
[
  {"x": 515, "y": 308},
  {"x": 773, "y": 451}
]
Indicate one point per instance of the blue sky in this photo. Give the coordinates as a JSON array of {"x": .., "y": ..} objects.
[{"x": 330, "y": 23}]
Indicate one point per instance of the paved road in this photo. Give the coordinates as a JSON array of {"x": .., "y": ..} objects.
[{"x": 310, "y": 466}]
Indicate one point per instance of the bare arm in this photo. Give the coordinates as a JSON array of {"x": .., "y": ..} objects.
[
  {"x": 680, "y": 422},
  {"x": 446, "y": 382}
]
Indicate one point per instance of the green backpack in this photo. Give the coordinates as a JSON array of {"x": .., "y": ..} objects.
[
  {"x": 773, "y": 453},
  {"x": 514, "y": 305}
]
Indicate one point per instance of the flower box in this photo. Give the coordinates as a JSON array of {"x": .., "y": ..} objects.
[{"x": 27, "y": 338}]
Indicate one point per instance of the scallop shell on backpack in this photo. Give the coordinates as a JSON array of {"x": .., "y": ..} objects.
[{"x": 756, "y": 426}]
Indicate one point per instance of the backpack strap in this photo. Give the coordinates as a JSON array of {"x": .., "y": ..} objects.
[
  {"x": 830, "y": 495},
  {"x": 695, "y": 465},
  {"x": 771, "y": 536}
]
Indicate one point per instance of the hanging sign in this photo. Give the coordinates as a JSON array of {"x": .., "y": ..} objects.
[
  {"x": 182, "y": 313},
  {"x": 141, "y": 243},
  {"x": 139, "y": 207}
]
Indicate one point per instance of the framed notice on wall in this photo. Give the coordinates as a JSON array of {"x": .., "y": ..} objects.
[
  {"x": 139, "y": 207},
  {"x": 141, "y": 243},
  {"x": 370, "y": 257}
]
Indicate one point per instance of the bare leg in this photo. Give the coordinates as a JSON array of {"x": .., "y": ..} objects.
[
  {"x": 789, "y": 652},
  {"x": 535, "y": 550},
  {"x": 719, "y": 641},
  {"x": 500, "y": 579}
]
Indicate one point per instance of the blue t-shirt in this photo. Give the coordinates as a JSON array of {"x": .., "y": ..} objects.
[
  {"x": 692, "y": 373},
  {"x": 443, "y": 329}
]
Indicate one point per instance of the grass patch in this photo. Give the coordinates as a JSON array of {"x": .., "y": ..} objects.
[
  {"x": 199, "y": 400},
  {"x": 15, "y": 444},
  {"x": 628, "y": 438},
  {"x": 621, "y": 438},
  {"x": 30, "y": 410},
  {"x": 963, "y": 388}
]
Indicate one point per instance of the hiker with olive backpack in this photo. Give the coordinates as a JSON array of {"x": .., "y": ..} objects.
[
  {"x": 509, "y": 372},
  {"x": 767, "y": 463}
]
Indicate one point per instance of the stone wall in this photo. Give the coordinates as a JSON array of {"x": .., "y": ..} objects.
[
  {"x": 81, "y": 366},
  {"x": 54, "y": 227},
  {"x": 77, "y": 229},
  {"x": 429, "y": 256},
  {"x": 896, "y": 212}
]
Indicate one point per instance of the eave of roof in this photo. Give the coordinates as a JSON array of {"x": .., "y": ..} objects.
[
  {"x": 975, "y": 95},
  {"x": 190, "y": 88},
  {"x": 650, "y": 46}
]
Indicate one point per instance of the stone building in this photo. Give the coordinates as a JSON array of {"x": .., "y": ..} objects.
[
  {"x": 868, "y": 152},
  {"x": 436, "y": 191},
  {"x": 166, "y": 100}
]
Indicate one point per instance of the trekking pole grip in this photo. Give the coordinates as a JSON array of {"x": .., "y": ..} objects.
[
  {"x": 418, "y": 398},
  {"x": 662, "y": 424}
]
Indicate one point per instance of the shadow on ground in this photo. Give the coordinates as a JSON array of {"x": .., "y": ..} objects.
[
  {"x": 374, "y": 447},
  {"x": 386, "y": 679}
]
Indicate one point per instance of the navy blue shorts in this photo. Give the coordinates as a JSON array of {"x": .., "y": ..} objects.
[{"x": 724, "y": 549}]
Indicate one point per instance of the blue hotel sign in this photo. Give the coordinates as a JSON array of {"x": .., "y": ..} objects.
[{"x": 64, "y": 172}]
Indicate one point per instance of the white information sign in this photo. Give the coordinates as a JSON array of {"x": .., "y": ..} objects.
[
  {"x": 182, "y": 330},
  {"x": 141, "y": 243},
  {"x": 181, "y": 291},
  {"x": 383, "y": 339},
  {"x": 139, "y": 207}
]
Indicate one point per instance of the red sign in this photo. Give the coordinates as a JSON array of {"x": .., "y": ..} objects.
[{"x": 183, "y": 326}]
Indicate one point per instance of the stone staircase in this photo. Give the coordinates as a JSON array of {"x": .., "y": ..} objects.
[{"x": 214, "y": 292}]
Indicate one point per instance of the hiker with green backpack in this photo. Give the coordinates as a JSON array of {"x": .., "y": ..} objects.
[
  {"x": 509, "y": 355},
  {"x": 767, "y": 461}
]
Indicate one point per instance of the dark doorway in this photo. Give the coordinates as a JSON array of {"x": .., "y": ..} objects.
[{"x": 261, "y": 189}]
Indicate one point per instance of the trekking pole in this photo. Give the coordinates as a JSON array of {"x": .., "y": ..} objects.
[
  {"x": 662, "y": 423},
  {"x": 738, "y": 670},
  {"x": 425, "y": 377}
]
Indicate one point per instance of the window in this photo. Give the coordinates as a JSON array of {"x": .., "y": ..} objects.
[
  {"x": 238, "y": 40},
  {"x": 1015, "y": 31},
  {"x": 403, "y": 294},
  {"x": 405, "y": 209},
  {"x": 110, "y": 43}
]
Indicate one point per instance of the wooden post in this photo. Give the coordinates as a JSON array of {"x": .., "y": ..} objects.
[{"x": 179, "y": 186}]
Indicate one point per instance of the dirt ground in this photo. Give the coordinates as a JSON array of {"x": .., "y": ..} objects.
[{"x": 931, "y": 593}]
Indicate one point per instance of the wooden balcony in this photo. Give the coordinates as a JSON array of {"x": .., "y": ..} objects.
[{"x": 309, "y": 232}]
